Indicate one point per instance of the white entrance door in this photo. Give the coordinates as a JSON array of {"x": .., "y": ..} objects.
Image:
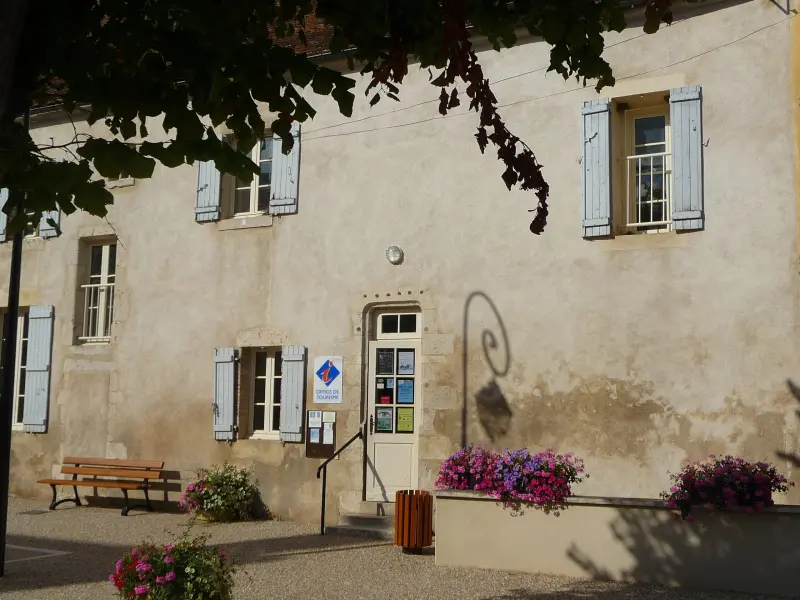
[{"x": 394, "y": 417}]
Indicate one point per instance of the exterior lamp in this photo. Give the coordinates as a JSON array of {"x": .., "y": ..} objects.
[{"x": 394, "y": 255}]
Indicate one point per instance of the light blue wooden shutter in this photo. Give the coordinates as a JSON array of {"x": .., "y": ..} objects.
[
  {"x": 596, "y": 171},
  {"x": 37, "y": 369},
  {"x": 3, "y": 216},
  {"x": 45, "y": 229},
  {"x": 686, "y": 123},
  {"x": 224, "y": 393},
  {"x": 208, "y": 207},
  {"x": 293, "y": 393},
  {"x": 285, "y": 175}
]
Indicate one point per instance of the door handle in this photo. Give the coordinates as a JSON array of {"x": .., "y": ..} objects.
[{"x": 371, "y": 425}]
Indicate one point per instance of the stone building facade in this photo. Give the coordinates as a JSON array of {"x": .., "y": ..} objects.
[{"x": 654, "y": 320}]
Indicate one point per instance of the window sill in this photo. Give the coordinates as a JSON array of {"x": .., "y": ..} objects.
[
  {"x": 17, "y": 428},
  {"x": 120, "y": 183},
  {"x": 264, "y": 436},
  {"x": 245, "y": 222},
  {"x": 645, "y": 241}
]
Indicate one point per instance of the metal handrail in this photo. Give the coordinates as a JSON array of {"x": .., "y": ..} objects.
[{"x": 323, "y": 469}]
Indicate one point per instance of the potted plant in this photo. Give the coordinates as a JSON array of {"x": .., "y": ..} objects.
[
  {"x": 222, "y": 493},
  {"x": 187, "y": 570},
  {"x": 723, "y": 483}
]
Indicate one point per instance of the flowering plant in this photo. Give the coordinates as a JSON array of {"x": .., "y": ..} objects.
[
  {"x": 223, "y": 493},
  {"x": 188, "y": 570},
  {"x": 515, "y": 477},
  {"x": 724, "y": 482},
  {"x": 543, "y": 478},
  {"x": 470, "y": 468}
]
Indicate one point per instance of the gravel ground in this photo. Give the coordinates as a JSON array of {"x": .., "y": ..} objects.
[{"x": 277, "y": 560}]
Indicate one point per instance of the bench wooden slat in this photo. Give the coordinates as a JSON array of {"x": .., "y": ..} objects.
[
  {"x": 103, "y": 472},
  {"x": 114, "y": 462},
  {"x": 98, "y": 483}
]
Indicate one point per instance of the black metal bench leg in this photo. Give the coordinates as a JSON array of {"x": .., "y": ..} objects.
[
  {"x": 53, "y": 503},
  {"x": 126, "y": 508},
  {"x": 129, "y": 506},
  {"x": 75, "y": 500}
]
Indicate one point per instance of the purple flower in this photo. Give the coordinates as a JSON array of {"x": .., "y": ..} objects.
[
  {"x": 170, "y": 576},
  {"x": 143, "y": 567},
  {"x": 169, "y": 559},
  {"x": 119, "y": 565},
  {"x": 112, "y": 578},
  {"x": 161, "y": 580},
  {"x": 141, "y": 590}
]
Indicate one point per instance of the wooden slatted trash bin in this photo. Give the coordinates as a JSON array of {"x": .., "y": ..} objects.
[{"x": 413, "y": 520}]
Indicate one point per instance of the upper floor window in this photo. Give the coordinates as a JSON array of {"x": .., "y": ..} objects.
[
  {"x": 642, "y": 163},
  {"x": 253, "y": 197},
  {"x": 273, "y": 190},
  {"x": 647, "y": 170},
  {"x": 98, "y": 293}
]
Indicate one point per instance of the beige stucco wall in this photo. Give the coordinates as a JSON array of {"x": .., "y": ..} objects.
[
  {"x": 635, "y": 352},
  {"x": 615, "y": 539}
]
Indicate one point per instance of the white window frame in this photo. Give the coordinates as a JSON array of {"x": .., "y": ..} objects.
[
  {"x": 271, "y": 430},
  {"x": 255, "y": 156},
  {"x": 417, "y": 333},
  {"x": 103, "y": 292},
  {"x": 20, "y": 360},
  {"x": 631, "y": 198}
]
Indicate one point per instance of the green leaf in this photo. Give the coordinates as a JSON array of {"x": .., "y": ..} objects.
[{"x": 112, "y": 158}]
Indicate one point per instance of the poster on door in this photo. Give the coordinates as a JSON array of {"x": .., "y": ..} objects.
[{"x": 328, "y": 379}]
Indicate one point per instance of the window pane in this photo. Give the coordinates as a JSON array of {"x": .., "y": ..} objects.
[
  {"x": 408, "y": 323},
  {"x": 389, "y": 324},
  {"x": 22, "y": 382},
  {"x": 96, "y": 268},
  {"x": 276, "y": 391},
  {"x": 259, "y": 393},
  {"x": 276, "y": 417},
  {"x": 278, "y": 364},
  {"x": 112, "y": 259},
  {"x": 241, "y": 203},
  {"x": 20, "y": 409},
  {"x": 650, "y": 130},
  {"x": 266, "y": 149},
  {"x": 658, "y": 212},
  {"x": 261, "y": 364},
  {"x": 263, "y": 198},
  {"x": 258, "y": 418},
  {"x": 265, "y": 175}
]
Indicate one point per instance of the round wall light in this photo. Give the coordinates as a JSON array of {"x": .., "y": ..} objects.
[{"x": 394, "y": 255}]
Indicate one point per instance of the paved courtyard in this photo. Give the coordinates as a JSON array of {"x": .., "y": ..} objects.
[{"x": 69, "y": 554}]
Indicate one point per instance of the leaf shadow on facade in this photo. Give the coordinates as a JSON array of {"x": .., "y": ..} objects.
[
  {"x": 792, "y": 458},
  {"x": 494, "y": 412}
]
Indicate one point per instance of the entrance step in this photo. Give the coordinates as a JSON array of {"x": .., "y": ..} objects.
[
  {"x": 371, "y": 526},
  {"x": 376, "y": 508}
]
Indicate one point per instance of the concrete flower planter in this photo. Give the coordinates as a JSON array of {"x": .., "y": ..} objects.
[{"x": 624, "y": 539}]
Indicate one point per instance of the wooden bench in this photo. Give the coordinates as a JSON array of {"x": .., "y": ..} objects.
[{"x": 116, "y": 473}]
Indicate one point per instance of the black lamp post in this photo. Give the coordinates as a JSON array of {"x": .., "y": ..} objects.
[{"x": 7, "y": 371}]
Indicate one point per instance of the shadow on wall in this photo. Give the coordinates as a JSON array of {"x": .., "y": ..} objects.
[
  {"x": 738, "y": 552},
  {"x": 791, "y": 457},
  {"x": 494, "y": 413}
]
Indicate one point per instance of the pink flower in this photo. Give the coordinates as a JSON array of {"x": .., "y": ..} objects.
[
  {"x": 169, "y": 559},
  {"x": 141, "y": 590},
  {"x": 112, "y": 578},
  {"x": 161, "y": 580},
  {"x": 170, "y": 576}
]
